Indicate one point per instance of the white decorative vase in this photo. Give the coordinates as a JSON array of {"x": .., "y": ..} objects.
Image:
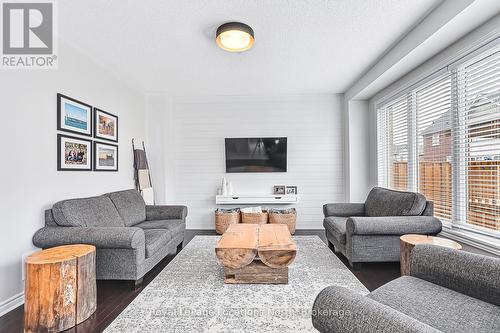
[
  {"x": 224, "y": 186},
  {"x": 229, "y": 188}
]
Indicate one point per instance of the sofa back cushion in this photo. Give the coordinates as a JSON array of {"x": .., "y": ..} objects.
[
  {"x": 130, "y": 206},
  {"x": 385, "y": 202},
  {"x": 87, "y": 212}
]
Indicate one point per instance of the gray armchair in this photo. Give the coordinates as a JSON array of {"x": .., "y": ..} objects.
[
  {"x": 447, "y": 291},
  {"x": 370, "y": 231},
  {"x": 130, "y": 237}
]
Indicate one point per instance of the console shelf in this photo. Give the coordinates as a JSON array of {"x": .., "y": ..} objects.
[{"x": 250, "y": 199}]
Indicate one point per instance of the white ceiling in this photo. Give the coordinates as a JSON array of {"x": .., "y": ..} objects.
[{"x": 301, "y": 46}]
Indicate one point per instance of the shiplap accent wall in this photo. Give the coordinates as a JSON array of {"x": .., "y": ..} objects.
[{"x": 313, "y": 125}]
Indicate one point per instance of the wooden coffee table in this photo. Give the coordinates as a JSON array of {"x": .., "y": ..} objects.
[
  {"x": 409, "y": 241},
  {"x": 252, "y": 253}
]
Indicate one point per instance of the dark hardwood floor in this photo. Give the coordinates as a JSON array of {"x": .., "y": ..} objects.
[{"x": 114, "y": 296}]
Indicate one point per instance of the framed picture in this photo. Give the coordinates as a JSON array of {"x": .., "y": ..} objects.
[
  {"x": 105, "y": 156},
  {"x": 73, "y": 154},
  {"x": 291, "y": 190},
  {"x": 105, "y": 125},
  {"x": 73, "y": 116},
  {"x": 279, "y": 189}
]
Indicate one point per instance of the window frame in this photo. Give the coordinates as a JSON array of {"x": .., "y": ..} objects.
[{"x": 459, "y": 173}]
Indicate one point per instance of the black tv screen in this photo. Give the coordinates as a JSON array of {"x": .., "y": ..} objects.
[{"x": 255, "y": 154}]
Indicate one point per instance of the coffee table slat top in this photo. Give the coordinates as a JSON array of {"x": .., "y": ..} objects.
[{"x": 240, "y": 244}]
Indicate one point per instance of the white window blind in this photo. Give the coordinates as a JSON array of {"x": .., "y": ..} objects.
[
  {"x": 393, "y": 144},
  {"x": 442, "y": 138},
  {"x": 434, "y": 144},
  {"x": 478, "y": 141}
]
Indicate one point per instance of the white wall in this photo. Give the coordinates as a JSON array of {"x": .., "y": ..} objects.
[
  {"x": 30, "y": 182},
  {"x": 359, "y": 150},
  {"x": 195, "y": 163}
]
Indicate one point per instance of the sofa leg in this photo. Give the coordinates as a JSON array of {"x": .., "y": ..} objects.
[
  {"x": 331, "y": 246},
  {"x": 179, "y": 248},
  {"x": 137, "y": 283}
]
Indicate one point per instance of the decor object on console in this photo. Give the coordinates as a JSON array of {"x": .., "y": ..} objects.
[
  {"x": 105, "y": 157},
  {"x": 447, "y": 289},
  {"x": 73, "y": 116},
  {"x": 224, "y": 186},
  {"x": 226, "y": 217},
  {"x": 130, "y": 237},
  {"x": 241, "y": 243},
  {"x": 291, "y": 190},
  {"x": 370, "y": 231},
  {"x": 106, "y": 125},
  {"x": 279, "y": 189},
  {"x": 59, "y": 281},
  {"x": 409, "y": 241},
  {"x": 73, "y": 154},
  {"x": 284, "y": 216}
]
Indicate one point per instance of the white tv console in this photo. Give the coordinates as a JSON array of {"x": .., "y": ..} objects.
[{"x": 250, "y": 199}]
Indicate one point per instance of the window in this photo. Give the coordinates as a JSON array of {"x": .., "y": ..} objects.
[
  {"x": 442, "y": 138},
  {"x": 394, "y": 122}
]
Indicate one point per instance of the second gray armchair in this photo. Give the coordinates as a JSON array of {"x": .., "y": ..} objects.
[{"x": 370, "y": 231}]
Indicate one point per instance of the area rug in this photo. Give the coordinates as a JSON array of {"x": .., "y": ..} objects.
[{"x": 189, "y": 294}]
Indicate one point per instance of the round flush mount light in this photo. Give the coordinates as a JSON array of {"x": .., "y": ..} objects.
[{"x": 235, "y": 37}]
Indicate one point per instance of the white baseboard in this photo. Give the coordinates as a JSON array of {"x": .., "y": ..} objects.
[{"x": 11, "y": 303}]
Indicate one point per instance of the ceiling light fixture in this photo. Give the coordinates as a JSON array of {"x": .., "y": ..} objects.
[{"x": 235, "y": 37}]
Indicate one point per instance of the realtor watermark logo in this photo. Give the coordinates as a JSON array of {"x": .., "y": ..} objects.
[{"x": 28, "y": 35}]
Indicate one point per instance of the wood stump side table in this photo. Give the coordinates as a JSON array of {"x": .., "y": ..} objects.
[
  {"x": 60, "y": 290},
  {"x": 408, "y": 242}
]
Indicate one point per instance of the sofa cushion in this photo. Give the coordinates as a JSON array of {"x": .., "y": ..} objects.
[
  {"x": 87, "y": 212},
  {"x": 384, "y": 202},
  {"x": 337, "y": 227},
  {"x": 175, "y": 227},
  {"x": 439, "y": 307},
  {"x": 130, "y": 206},
  {"x": 155, "y": 240}
]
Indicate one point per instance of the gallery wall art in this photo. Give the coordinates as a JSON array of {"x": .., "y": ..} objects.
[
  {"x": 73, "y": 116},
  {"x": 79, "y": 153}
]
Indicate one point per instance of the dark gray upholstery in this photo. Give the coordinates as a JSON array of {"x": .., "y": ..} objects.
[
  {"x": 155, "y": 240},
  {"x": 337, "y": 309},
  {"x": 127, "y": 245},
  {"x": 344, "y": 209},
  {"x": 368, "y": 238},
  {"x": 101, "y": 237},
  {"x": 337, "y": 227},
  {"x": 465, "y": 299},
  {"x": 166, "y": 212},
  {"x": 468, "y": 273},
  {"x": 392, "y": 225},
  {"x": 87, "y": 212},
  {"x": 130, "y": 206},
  {"x": 439, "y": 307},
  {"x": 385, "y": 202}
]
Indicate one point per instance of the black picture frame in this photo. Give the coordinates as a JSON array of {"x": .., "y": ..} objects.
[
  {"x": 60, "y": 167},
  {"x": 96, "y": 125},
  {"x": 95, "y": 162},
  {"x": 61, "y": 127}
]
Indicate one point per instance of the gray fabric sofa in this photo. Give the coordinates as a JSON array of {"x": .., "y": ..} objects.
[
  {"x": 130, "y": 237},
  {"x": 447, "y": 291},
  {"x": 370, "y": 231}
]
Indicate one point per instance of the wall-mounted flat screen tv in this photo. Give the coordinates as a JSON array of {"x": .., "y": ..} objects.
[{"x": 256, "y": 154}]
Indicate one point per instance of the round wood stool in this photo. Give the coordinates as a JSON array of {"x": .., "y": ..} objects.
[
  {"x": 60, "y": 290},
  {"x": 409, "y": 241}
]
